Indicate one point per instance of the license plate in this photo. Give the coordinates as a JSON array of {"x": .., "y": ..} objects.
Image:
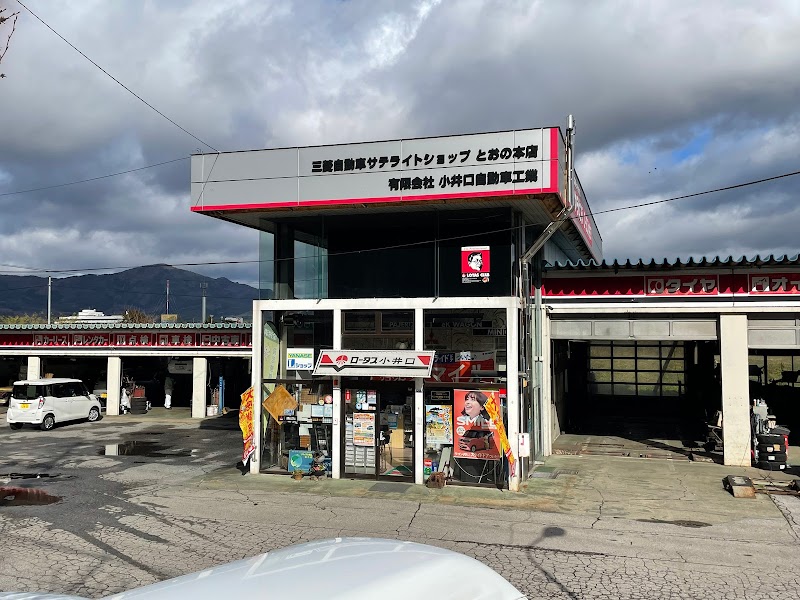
[{"x": 26, "y": 405}]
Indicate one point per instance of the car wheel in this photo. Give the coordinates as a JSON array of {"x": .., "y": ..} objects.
[
  {"x": 472, "y": 448},
  {"x": 48, "y": 423},
  {"x": 15, "y": 425},
  {"x": 94, "y": 414}
]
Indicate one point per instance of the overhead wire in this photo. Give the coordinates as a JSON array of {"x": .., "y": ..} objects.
[{"x": 125, "y": 87}]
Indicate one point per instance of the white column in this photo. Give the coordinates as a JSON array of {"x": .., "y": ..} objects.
[
  {"x": 512, "y": 390},
  {"x": 257, "y": 374},
  {"x": 337, "y": 434},
  {"x": 546, "y": 425},
  {"x": 199, "y": 378},
  {"x": 113, "y": 384},
  {"x": 34, "y": 368},
  {"x": 419, "y": 401},
  {"x": 735, "y": 389}
]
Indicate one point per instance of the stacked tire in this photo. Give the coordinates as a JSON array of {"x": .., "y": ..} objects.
[
  {"x": 138, "y": 406},
  {"x": 771, "y": 452}
]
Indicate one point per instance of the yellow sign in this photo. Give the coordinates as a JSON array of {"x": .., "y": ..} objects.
[
  {"x": 246, "y": 424},
  {"x": 279, "y": 402},
  {"x": 491, "y": 408}
]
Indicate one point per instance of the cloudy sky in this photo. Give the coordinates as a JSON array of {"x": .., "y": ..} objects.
[{"x": 670, "y": 98}]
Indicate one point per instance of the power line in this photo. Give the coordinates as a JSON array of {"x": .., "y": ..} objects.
[
  {"x": 129, "y": 90},
  {"x": 59, "y": 185},
  {"x": 417, "y": 243}
]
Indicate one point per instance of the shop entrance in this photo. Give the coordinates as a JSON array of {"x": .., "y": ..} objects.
[{"x": 379, "y": 429}]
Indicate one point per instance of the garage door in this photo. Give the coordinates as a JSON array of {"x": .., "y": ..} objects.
[{"x": 633, "y": 329}]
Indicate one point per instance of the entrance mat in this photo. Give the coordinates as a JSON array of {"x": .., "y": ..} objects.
[
  {"x": 397, "y": 488},
  {"x": 398, "y": 471}
]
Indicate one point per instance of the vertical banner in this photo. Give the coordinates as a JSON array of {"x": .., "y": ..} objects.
[
  {"x": 246, "y": 424},
  {"x": 494, "y": 413},
  {"x": 475, "y": 264},
  {"x": 475, "y": 432},
  {"x": 271, "y": 355}
]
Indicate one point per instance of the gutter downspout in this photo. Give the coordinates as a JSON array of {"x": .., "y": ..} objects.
[{"x": 534, "y": 366}]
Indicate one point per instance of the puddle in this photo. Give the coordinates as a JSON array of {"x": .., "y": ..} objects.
[
  {"x": 18, "y": 496},
  {"x": 29, "y": 475},
  {"x": 143, "y": 448},
  {"x": 679, "y": 522}
]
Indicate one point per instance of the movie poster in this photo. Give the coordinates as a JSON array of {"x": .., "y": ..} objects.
[
  {"x": 475, "y": 433},
  {"x": 475, "y": 267}
]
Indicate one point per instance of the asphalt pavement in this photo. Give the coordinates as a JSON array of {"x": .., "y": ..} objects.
[{"x": 126, "y": 502}]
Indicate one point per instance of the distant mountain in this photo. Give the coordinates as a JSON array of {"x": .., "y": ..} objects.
[{"x": 144, "y": 288}]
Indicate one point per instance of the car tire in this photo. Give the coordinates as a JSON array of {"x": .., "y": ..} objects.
[
  {"x": 15, "y": 426},
  {"x": 48, "y": 422},
  {"x": 472, "y": 448},
  {"x": 776, "y": 457},
  {"x": 94, "y": 414},
  {"x": 770, "y": 448},
  {"x": 771, "y": 466},
  {"x": 769, "y": 438},
  {"x": 138, "y": 406}
]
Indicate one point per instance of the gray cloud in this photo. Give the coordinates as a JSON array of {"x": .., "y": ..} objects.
[{"x": 643, "y": 80}]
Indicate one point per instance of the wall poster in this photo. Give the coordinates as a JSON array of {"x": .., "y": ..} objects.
[
  {"x": 363, "y": 429},
  {"x": 438, "y": 424},
  {"x": 475, "y": 432},
  {"x": 475, "y": 264}
]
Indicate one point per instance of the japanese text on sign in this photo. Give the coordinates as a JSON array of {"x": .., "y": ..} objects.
[
  {"x": 683, "y": 285},
  {"x": 371, "y": 163},
  {"x": 775, "y": 283}
]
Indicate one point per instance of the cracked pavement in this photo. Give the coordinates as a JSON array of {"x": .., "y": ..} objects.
[{"x": 126, "y": 521}]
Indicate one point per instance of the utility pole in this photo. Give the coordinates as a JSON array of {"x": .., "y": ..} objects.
[
  {"x": 203, "y": 288},
  {"x": 167, "y": 311},
  {"x": 49, "y": 297}
]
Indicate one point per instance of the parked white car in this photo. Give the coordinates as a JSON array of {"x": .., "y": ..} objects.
[
  {"x": 337, "y": 569},
  {"x": 45, "y": 402}
]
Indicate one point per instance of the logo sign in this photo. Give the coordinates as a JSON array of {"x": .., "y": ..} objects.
[
  {"x": 475, "y": 267},
  {"x": 383, "y": 363},
  {"x": 300, "y": 359}
]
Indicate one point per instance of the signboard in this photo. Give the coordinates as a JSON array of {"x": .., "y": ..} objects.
[
  {"x": 246, "y": 424},
  {"x": 271, "y": 355},
  {"x": 363, "y": 429},
  {"x": 385, "y": 363},
  {"x": 476, "y": 434},
  {"x": 584, "y": 221},
  {"x": 775, "y": 283},
  {"x": 475, "y": 264},
  {"x": 301, "y": 460},
  {"x": 300, "y": 359},
  {"x": 458, "y": 366},
  {"x": 683, "y": 285},
  {"x": 129, "y": 339},
  {"x": 489, "y": 164},
  {"x": 438, "y": 424}
]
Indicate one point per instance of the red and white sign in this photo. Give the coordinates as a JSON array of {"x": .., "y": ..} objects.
[
  {"x": 385, "y": 363},
  {"x": 458, "y": 366},
  {"x": 475, "y": 264},
  {"x": 774, "y": 283},
  {"x": 127, "y": 339},
  {"x": 683, "y": 285}
]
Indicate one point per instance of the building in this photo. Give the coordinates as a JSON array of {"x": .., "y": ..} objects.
[{"x": 402, "y": 273}]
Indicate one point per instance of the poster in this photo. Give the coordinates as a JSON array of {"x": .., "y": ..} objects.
[
  {"x": 475, "y": 267},
  {"x": 475, "y": 432},
  {"x": 438, "y": 424},
  {"x": 458, "y": 366},
  {"x": 246, "y": 424},
  {"x": 363, "y": 429}
]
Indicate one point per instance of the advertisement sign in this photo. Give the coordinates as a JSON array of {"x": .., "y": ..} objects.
[
  {"x": 246, "y": 424},
  {"x": 438, "y": 424},
  {"x": 301, "y": 460},
  {"x": 386, "y": 363},
  {"x": 271, "y": 353},
  {"x": 494, "y": 413},
  {"x": 682, "y": 285},
  {"x": 475, "y": 431},
  {"x": 363, "y": 429},
  {"x": 299, "y": 359},
  {"x": 475, "y": 264},
  {"x": 458, "y": 366},
  {"x": 180, "y": 340}
]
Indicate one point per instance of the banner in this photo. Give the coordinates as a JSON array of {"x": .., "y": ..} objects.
[
  {"x": 475, "y": 267},
  {"x": 494, "y": 414},
  {"x": 458, "y": 366},
  {"x": 246, "y": 424},
  {"x": 475, "y": 432}
]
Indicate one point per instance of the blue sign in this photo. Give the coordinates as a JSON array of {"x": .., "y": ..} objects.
[{"x": 300, "y": 460}]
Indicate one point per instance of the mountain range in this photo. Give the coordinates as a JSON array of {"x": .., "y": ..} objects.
[{"x": 142, "y": 288}]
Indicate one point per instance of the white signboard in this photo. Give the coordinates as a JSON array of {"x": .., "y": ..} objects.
[
  {"x": 299, "y": 359},
  {"x": 383, "y": 363}
]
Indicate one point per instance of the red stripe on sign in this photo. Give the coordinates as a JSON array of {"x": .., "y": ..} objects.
[
  {"x": 325, "y": 360},
  {"x": 425, "y": 359}
]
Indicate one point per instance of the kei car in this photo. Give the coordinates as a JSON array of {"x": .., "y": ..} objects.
[
  {"x": 45, "y": 402},
  {"x": 475, "y": 439}
]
